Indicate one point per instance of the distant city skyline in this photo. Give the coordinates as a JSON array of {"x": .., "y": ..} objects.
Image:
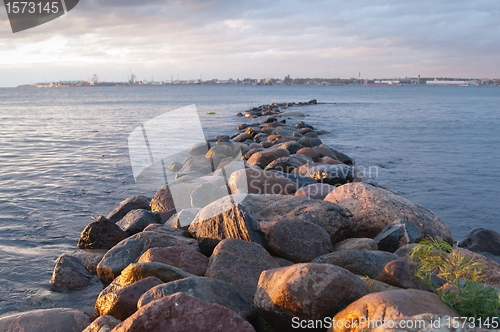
[{"x": 234, "y": 39}]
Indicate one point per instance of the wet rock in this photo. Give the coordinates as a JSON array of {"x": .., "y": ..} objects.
[
  {"x": 283, "y": 164},
  {"x": 307, "y": 291},
  {"x": 54, "y": 320},
  {"x": 136, "y": 220},
  {"x": 90, "y": 258},
  {"x": 224, "y": 219},
  {"x": 206, "y": 289},
  {"x": 205, "y": 194},
  {"x": 374, "y": 208},
  {"x": 138, "y": 271},
  {"x": 390, "y": 306},
  {"x": 106, "y": 323},
  {"x": 175, "y": 166},
  {"x": 261, "y": 182},
  {"x": 361, "y": 262},
  {"x": 311, "y": 134},
  {"x": 481, "y": 240},
  {"x": 401, "y": 274},
  {"x": 129, "y": 250},
  {"x": 122, "y": 303},
  {"x": 334, "y": 219},
  {"x": 397, "y": 234},
  {"x": 315, "y": 191},
  {"x": 339, "y": 155},
  {"x": 69, "y": 274},
  {"x": 240, "y": 263},
  {"x": 332, "y": 174},
  {"x": 324, "y": 151},
  {"x": 300, "y": 181},
  {"x": 306, "y": 142},
  {"x": 356, "y": 244},
  {"x": 264, "y": 158},
  {"x": 176, "y": 194},
  {"x": 302, "y": 125},
  {"x": 131, "y": 203},
  {"x": 297, "y": 240},
  {"x": 184, "y": 258},
  {"x": 101, "y": 234},
  {"x": 176, "y": 313}
]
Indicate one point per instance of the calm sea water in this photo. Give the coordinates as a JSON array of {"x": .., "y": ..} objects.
[{"x": 64, "y": 158}]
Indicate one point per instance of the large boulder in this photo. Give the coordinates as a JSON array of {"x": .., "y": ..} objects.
[
  {"x": 183, "y": 313},
  {"x": 305, "y": 292},
  {"x": 389, "y": 306},
  {"x": 131, "y": 203},
  {"x": 356, "y": 244},
  {"x": 490, "y": 268},
  {"x": 202, "y": 164},
  {"x": 264, "y": 158},
  {"x": 256, "y": 181},
  {"x": 207, "y": 193},
  {"x": 90, "y": 258},
  {"x": 481, "y": 240},
  {"x": 136, "y": 220},
  {"x": 129, "y": 250},
  {"x": 54, "y": 320},
  {"x": 138, "y": 271},
  {"x": 123, "y": 302},
  {"x": 334, "y": 219},
  {"x": 361, "y": 262},
  {"x": 402, "y": 274},
  {"x": 374, "y": 208},
  {"x": 224, "y": 219},
  {"x": 206, "y": 289},
  {"x": 101, "y": 234},
  {"x": 299, "y": 180},
  {"x": 297, "y": 240},
  {"x": 315, "y": 191},
  {"x": 69, "y": 274},
  {"x": 176, "y": 194},
  {"x": 284, "y": 164},
  {"x": 240, "y": 263},
  {"x": 184, "y": 258}
]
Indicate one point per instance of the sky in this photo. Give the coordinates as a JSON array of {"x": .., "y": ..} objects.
[{"x": 192, "y": 39}]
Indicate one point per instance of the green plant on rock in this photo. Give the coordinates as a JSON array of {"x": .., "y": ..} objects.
[{"x": 464, "y": 292}]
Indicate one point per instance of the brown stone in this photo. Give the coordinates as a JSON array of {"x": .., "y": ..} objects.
[
  {"x": 315, "y": 191},
  {"x": 129, "y": 250},
  {"x": 224, "y": 219},
  {"x": 329, "y": 161},
  {"x": 206, "y": 289},
  {"x": 374, "y": 208},
  {"x": 356, "y": 244},
  {"x": 179, "y": 189},
  {"x": 307, "y": 291},
  {"x": 252, "y": 151},
  {"x": 297, "y": 240},
  {"x": 481, "y": 240},
  {"x": 310, "y": 152},
  {"x": 90, "y": 258},
  {"x": 101, "y": 234},
  {"x": 69, "y": 274},
  {"x": 138, "y": 271},
  {"x": 123, "y": 302},
  {"x": 243, "y": 137},
  {"x": 391, "y": 305},
  {"x": 264, "y": 158},
  {"x": 183, "y": 313},
  {"x": 284, "y": 164},
  {"x": 401, "y": 274},
  {"x": 184, "y": 258},
  {"x": 53, "y": 320},
  {"x": 131, "y": 203},
  {"x": 240, "y": 263},
  {"x": 334, "y": 219}
]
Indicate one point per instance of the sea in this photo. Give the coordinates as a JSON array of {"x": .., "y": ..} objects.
[{"x": 64, "y": 159}]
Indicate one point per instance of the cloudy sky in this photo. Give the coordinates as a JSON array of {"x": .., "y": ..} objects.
[{"x": 238, "y": 39}]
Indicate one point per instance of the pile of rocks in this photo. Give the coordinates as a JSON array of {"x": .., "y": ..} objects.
[{"x": 271, "y": 230}]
